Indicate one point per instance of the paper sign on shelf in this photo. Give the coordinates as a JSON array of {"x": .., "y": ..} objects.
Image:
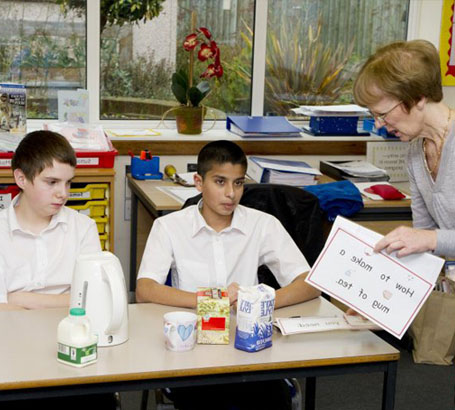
[{"x": 385, "y": 289}]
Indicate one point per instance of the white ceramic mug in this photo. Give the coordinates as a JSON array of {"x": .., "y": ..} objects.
[{"x": 180, "y": 330}]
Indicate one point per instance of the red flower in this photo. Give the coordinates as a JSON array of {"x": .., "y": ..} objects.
[
  {"x": 218, "y": 70},
  {"x": 190, "y": 42},
  {"x": 205, "y": 52},
  {"x": 206, "y": 32},
  {"x": 215, "y": 49},
  {"x": 209, "y": 72}
]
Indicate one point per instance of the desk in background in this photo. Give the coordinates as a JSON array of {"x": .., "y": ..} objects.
[
  {"x": 148, "y": 203},
  {"x": 30, "y": 368}
]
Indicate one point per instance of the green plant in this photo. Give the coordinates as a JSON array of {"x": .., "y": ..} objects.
[
  {"x": 182, "y": 82},
  {"x": 142, "y": 77},
  {"x": 118, "y": 12},
  {"x": 299, "y": 70}
]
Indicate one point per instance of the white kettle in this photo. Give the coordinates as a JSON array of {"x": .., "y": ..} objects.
[{"x": 99, "y": 286}]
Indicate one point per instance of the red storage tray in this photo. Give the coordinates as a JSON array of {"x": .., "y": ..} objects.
[
  {"x": 97, "y": 159},
  {"x": 85, "y": 159},
  {"x": 7, "y": 193},
  {"x": 5, "y": 159}
]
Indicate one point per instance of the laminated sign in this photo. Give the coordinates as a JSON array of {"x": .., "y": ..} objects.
[{"x": 385, "y": 289}]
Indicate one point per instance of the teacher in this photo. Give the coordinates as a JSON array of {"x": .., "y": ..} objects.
[{"x": 401, "y": 86}]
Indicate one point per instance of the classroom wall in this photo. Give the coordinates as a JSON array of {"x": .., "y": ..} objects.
[{"x": 425, "y": 24}]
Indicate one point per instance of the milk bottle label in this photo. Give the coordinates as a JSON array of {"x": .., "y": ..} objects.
[{"x": 76, "y": 355}]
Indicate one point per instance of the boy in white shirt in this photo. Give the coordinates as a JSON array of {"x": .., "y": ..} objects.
[
  {"x": 219, "y": 242},
  {"x": 40, "y": 237}
]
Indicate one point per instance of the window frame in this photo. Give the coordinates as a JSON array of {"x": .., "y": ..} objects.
[{"x": 258, "y": 65}]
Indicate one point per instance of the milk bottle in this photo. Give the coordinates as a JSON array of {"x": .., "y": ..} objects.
[{"x": 76, "y": 345}]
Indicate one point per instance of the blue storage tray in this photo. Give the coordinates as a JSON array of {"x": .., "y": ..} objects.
[
  {"x": 329, "y": 126},
  {"x": 146, "y": 168},
  {"x": 368, "y": 125}
]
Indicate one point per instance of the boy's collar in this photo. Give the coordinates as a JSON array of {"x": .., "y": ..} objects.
[
  {"x": 238, "y": 220},
  {"x": 60, "y": 217}
]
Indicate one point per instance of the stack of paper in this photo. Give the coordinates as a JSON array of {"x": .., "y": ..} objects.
[
  {"x": 348, "y": 110},
  {"x": 275, "y": 171},
  {"x": 355, "y": 171}
]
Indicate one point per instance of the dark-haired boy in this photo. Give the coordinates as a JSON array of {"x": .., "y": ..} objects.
[
  {"x": 40, "y": 237},
  {"x": 219, "y": 243}
]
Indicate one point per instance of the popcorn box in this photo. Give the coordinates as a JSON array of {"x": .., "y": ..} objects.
[{"x": 213, "y": 311}]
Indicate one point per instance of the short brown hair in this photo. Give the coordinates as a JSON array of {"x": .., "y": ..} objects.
[
  {"x": 39, "y": 149},
  {"x": 404, "y": 70}
]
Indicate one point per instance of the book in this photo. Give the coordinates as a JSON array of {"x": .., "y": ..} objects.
[
  {"x": 13, "y": 108},
  {"x": 277, "y": 171},
  {"x": 354, "y": 171},
  {"x": 274, "y": 126}
]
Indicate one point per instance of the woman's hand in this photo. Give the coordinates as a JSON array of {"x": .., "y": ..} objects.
[{"x": 407, "y": 241}]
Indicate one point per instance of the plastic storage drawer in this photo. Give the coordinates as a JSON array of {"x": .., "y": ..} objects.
[
  {"x": 92, "y": 208},
  {"x": 88, "y": 191},
  {"x": 104, "y": 239},
  {"x": 102, "y": 224}
]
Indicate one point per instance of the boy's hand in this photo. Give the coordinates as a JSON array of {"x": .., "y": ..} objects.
[{"x": 233, "y": 290}]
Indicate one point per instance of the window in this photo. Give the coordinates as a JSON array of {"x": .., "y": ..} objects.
[
  {"x": 276, "y": 54},
  {"x": 44, "y": 49},
  {"x": 315, "y": 48},
  {"x": 137, "y": 60}
]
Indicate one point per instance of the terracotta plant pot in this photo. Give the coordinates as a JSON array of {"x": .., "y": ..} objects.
[{"x": 189, "y": 119}]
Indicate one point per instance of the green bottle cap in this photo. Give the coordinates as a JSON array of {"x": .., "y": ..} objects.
[{"x": 77, "y": 312}]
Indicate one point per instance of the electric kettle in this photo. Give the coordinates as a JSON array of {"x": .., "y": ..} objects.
[{"x": 99, "y": 286}]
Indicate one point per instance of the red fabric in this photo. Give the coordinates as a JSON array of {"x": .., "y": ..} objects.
[{"x": 385, "y": 191}]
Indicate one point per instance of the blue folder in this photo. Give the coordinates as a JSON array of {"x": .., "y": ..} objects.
[{"x": 274, "y": 126}]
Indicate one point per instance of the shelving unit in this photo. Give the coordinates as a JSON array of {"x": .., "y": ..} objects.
[{"x": 104, "y": 178}]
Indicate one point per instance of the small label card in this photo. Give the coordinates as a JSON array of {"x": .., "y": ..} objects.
[
  {"x": 310, "y": 324},
  {"x": 383, "y": 288}
]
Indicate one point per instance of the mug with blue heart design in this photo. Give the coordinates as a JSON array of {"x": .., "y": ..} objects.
[{"x": 180, "y": 330}]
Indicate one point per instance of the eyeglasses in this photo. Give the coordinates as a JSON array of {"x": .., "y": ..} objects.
[{"x": 381, "y": 117}]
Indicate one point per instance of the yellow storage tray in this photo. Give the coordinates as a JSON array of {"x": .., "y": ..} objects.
[
  {"x": 104, "y": 239},
  {"x": 102, "y": 223},
  {"x": 92, "y": 208},
  {"x": 88, "y": 192}
]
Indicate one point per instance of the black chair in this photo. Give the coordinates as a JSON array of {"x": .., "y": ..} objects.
[{"x": 301, "y": 216}]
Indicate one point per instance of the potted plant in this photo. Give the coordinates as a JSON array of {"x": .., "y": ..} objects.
[{"x": 189, "y": 115}]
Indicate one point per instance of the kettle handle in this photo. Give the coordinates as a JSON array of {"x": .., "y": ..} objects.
[{"x": 116, "y": 287}]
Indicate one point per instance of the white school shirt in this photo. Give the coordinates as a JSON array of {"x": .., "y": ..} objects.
[
  {"x": 44, "y": 262},
  {"x": 199, "y": 256}
]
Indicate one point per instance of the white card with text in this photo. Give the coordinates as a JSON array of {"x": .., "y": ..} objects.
[{"x": 383, "y": 288}]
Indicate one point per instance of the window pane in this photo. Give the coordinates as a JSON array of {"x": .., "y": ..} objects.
[
  {"x": 316, "y": 47},
  {"x": 43, "y": 48},
  {"x": 138, "y": 59}
]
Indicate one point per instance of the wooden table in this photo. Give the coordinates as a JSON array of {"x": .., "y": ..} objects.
[
  {"x": 148, "y": 203},
  {"x": 29, "y": 368}
]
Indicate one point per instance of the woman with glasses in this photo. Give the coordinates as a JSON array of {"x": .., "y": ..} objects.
[{"x": 401, "y": 86}]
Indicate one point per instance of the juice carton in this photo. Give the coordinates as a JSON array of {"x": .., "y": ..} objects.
[{"x": 212, "y": 316}]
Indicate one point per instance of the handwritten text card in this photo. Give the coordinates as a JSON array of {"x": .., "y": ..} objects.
[{"x": 387, "y": 290}]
